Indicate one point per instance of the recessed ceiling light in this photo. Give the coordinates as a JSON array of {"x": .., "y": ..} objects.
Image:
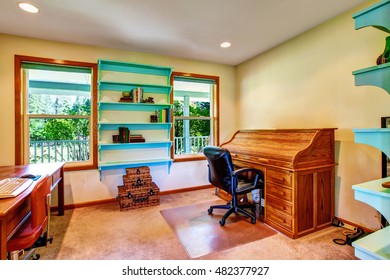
[
  {"x": 28, "y": 7},
  {"x": 225, "y": 45}
]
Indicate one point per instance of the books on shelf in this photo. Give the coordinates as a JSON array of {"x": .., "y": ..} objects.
[
  {"x": 125, "y": 136},
  {"x": 164, "y": 115},
  {"x": 137, "y": 95},
  {"x": 136, "y": 139},
  {"x": 124, "y": 133}
]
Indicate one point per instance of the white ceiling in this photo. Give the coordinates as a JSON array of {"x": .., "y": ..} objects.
[{"x": 182, "y": 28}]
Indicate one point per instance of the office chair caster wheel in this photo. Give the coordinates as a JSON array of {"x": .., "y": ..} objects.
[
  {"x": 36, "y": 257},
  {"x": 210, "y": 210},
  {"x": 253, "y": 221},
  {"x": 222, "y": 222}
]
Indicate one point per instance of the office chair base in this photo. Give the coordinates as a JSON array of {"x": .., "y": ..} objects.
[
  {"x": 232, "y": 209},
  {"x": 16, "y": 255}
]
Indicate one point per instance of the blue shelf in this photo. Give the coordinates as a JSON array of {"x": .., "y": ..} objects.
[
  {"x": 128, "y": 106},
  {"x": 376, "y": 16},
  {"x": 373, "y": 194},
  {"x": 141, "y": 145},
  {"x": 374, "y": 76},
  {"x": 134, "y": 126},
  {"x": 375, "y": 246},
  {"x": 147, "y": 88},
  {"x": 120, "y": 66},
  {"x": 130, "y": 164},
  {"x": 376, "y": 137}
]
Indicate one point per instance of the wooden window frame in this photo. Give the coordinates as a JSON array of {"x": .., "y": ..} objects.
[
  {"x": 19, "y": 107},
  {"x": 215, "y": 118}
]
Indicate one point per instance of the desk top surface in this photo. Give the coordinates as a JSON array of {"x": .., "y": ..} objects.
[{"x": 8, "y": 204}]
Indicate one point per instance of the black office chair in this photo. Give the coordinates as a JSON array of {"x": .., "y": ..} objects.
[{"x": 222, "y": 175}]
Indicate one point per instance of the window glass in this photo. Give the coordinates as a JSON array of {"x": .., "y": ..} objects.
[
  {"x": 57, "y": 123},
  {"x": 194, "y": 114},
  {"x": 52, "y": 95}
]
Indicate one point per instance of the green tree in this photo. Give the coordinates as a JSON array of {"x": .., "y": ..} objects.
[
  {"x": 59, "y": 129},
  {"x": 197, "y": 127}
]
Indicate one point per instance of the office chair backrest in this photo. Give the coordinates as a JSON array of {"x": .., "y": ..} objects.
[
  {"x": 39, "y": 203},
  {"x": 220, "y": 166}
]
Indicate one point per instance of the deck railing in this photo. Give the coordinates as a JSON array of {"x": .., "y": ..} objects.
[
  {"x": 78, "y": 150},
  {"x": 59, "y": 151},
  {"x": 195, "y": 144}
]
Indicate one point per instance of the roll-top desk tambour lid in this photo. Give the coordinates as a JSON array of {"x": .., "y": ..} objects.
[
  {"x": 297, "y": 162},
  {"x": 288, "y": 148}
]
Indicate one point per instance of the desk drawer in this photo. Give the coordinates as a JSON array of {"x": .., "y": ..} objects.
[
  {"x": 279, "y": 191},
  {"x": 278, "y": 204},
  {"x": 278, "y": 218},
  {"x": 279, "y": 176},
  {"x": 14, "y": 218}
]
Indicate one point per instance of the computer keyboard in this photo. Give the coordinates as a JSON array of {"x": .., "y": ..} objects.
[{"x": 12, "y": 187}]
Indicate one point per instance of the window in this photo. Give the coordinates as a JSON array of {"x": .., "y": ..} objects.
[
  {"x": 195, "y": 114},
  {"x": 55, "y": 112}
]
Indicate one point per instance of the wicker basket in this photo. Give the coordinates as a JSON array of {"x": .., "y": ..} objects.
[
  {"x": 137, "y": 181},
  {"x": 138, "y": 170},
  {"x": 139, "y": 197}
]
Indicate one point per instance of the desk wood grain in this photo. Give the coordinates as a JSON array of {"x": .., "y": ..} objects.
[{"x": 14, "y": 211}]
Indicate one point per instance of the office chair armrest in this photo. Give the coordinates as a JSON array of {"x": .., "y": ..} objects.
[
  {"x": 242, "y": 170},
  {"x": 259, "y": 175}
]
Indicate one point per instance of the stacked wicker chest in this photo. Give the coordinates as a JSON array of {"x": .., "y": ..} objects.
[{"x": 138, "y": 189}]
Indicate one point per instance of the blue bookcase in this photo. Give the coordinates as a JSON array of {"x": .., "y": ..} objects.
[
  {"x": 116, "y": 77},
  {"x": 375, "y": 246}
]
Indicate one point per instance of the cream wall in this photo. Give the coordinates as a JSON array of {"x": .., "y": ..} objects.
[
  {"x": 308, "y": 82},
  {"x": 84, "y": 186}
]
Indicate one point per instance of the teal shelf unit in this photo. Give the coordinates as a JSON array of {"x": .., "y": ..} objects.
[
  {"x": 141, "y": 145},
  {"x": 134, "y": 126},
  {"x": 150, "y": 88},
  {"x": 376, "y": 137},
  {"x": 105, "y": 125},
  {"x": 371, "y": 247},
  {"x": 126, "y": 106},
  {"x": 126, "y": 146},
  {"x": 129, "y": 67},
  {"x": 376, "y": 16},
  {"x": 375, "y": 246},
  {"x": 129, "y": 164},
  {"x": 375, "y": 76}
]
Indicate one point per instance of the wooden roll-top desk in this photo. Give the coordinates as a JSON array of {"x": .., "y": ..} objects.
[{"x": 298, "y": 166}]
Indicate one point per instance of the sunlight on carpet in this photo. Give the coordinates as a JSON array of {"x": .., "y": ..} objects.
[{"x": 200, "y": 233}]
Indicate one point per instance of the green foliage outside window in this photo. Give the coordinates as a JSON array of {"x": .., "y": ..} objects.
[
  {"x": 197, "y": 127},
  {"x": 46, "y": 129}
]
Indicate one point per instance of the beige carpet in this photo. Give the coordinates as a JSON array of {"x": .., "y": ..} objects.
[
  {"x": 104, "y": 233},
  {"x": 201, "y": 234}
]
